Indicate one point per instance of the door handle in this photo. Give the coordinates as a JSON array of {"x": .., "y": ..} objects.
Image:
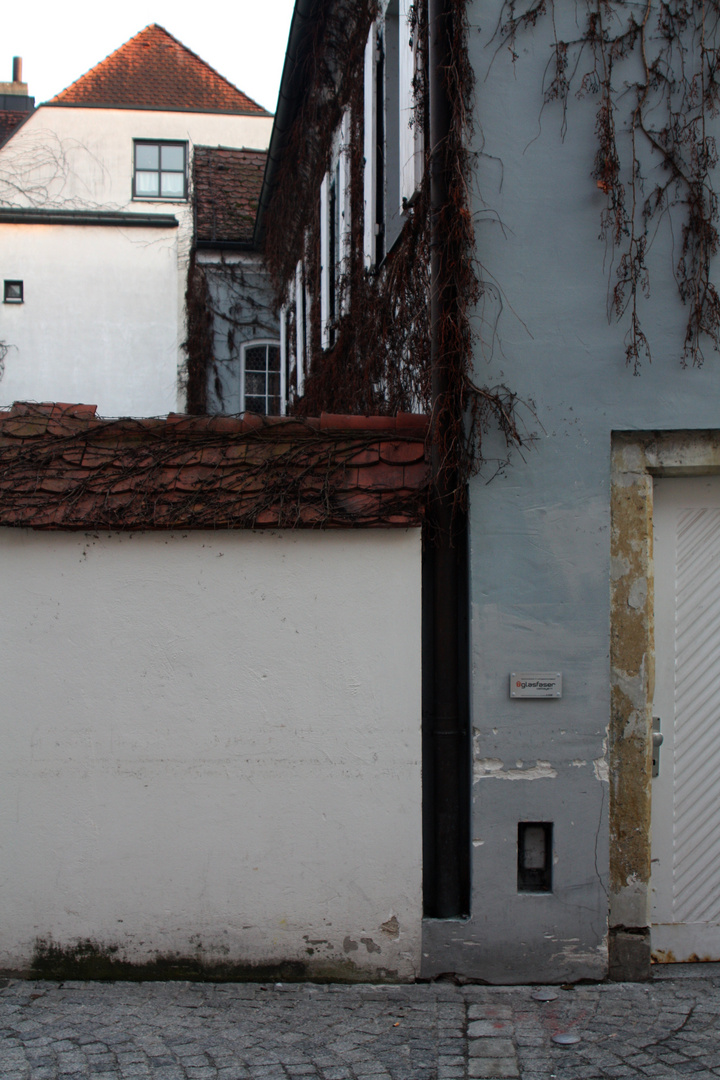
[{"x": 657, "y": 741}]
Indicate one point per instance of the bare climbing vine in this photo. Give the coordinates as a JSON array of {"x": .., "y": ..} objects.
[
  {"x": 379, "y": 361},
  {"x": 651, "y": 69},
  {"x": 229, "y": 303}
]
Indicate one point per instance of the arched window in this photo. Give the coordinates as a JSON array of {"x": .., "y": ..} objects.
[{"x": 262, "y": 389}]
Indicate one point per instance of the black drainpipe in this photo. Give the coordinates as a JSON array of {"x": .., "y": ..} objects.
[{"x": 446, "y": 736}]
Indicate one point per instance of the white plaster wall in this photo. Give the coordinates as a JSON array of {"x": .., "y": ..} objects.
[
  {"x": 83, "y": 158},
  {"x": 102, "y": 303},
  {"x": 211, "y": 746},
  {"x": 100, "y": 320}
]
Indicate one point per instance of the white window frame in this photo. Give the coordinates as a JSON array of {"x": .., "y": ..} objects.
[
  {"x": 300, "y": 310},
  {"x": 254, "y": 343},
  {"x": 283, "y": 358},
  {"x": 370, "y": 149},
  {"x": 389, "y": 112},
  {"x": 334, "y": 263},
  {"x": 325, "y": 262},
  {"x": 412, "y": 142}
]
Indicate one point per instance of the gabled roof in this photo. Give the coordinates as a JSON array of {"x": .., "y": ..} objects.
[
  {"x": 153, "y": 70},
  {"x": 226, "y": 186}
]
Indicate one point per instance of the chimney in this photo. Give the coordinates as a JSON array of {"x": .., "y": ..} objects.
[{"x": 17, "y": 88}]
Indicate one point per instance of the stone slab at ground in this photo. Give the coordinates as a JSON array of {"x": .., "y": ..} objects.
[{"x": 434, "y": 1031}]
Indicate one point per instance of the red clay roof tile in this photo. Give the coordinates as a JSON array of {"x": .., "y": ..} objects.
[
  {"x": 10, "y": 121},
  {"x": 61, "y": 467},
  {"x": 226, "y": 186},
  {"x": 153, "y": 70}
]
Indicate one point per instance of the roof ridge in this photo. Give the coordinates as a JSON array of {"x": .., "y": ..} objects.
[
  {"x": 234, "y": 149},
  {"x": 100, "y": 82},
  {"x": 150, "y": 26}
]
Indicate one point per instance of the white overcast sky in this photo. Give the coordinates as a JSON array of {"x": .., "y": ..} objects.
[{"x": 242, "y": 39}]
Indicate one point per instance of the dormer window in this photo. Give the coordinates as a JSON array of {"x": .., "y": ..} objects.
[{"x": 160, "y": 171}]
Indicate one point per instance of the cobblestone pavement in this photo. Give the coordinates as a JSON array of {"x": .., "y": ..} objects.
[{"x": 191, "y": 1031}]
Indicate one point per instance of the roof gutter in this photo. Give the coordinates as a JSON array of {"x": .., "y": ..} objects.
[
  {"x": 225, "y": 245},
  {"x": 289, "y": 101},
  {"x": 123, "y": 219}
]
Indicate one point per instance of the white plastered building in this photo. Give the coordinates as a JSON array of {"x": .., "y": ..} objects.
[{"x": 96, "y": 227}]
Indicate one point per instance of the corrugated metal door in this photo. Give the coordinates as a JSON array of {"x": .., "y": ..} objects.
[{"x": 685, "y": 797}]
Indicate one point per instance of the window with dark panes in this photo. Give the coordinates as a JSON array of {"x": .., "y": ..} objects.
[
  {"x": 13, "y": 292},
  {"x": 261, "y": 378},
  {"x": 160, "y": 171}
]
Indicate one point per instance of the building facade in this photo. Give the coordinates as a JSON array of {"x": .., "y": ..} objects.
[
  {"x": 97, "y": 227},
  {"x": 540, "y": 251}
]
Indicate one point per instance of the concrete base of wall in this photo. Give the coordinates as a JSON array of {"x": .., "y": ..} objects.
[
  {"x": 460, "y": 947},
  {"x": 629, "y": 955}
]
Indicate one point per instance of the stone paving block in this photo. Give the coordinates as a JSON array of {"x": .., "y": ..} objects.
[
  {"x": 477, "y": 1011},
  {"x": 491, "y": 1048},
  {"x": 478, "y": 1028},
  {"x": 530, "y": 1040},
  {"x": 493, "y": 1068}
]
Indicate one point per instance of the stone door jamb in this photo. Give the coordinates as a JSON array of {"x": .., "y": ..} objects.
[{"x": 637, "y": 457}]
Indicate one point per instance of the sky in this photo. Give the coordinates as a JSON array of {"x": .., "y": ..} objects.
[{"x": 244, "y": 40}]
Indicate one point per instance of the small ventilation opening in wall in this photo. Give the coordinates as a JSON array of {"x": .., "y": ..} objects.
[
  {"x": 13, "y": 292},
  {"x": 534, "y": 872}
]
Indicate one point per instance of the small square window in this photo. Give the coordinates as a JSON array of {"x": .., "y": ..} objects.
[
  {"x": 13, "y": 292},
  {"x": 160, "y": 171}
]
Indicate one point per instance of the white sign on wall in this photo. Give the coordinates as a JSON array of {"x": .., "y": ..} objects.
[{"x": 535, "y": 684}]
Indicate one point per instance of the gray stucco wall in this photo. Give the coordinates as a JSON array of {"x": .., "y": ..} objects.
[
  {"x": 540, "y": 530},
  {"x": 242, "y": 304}
]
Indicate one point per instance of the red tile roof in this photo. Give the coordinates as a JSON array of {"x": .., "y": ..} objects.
[
  {"x": 153, "y": 70},
  {"x": 226, "y": 186},
  {"x": 10, "y": 121},
  {"x": 61, "y": 467}
]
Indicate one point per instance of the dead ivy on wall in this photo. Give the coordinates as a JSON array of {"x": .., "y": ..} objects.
[
  {"x": 379, "y": 362},
  {"x": 651, "y": 70},
  {"x": 468, "y": 409},
  {"x": 199, "y": 344},
  {"x": 380, "y": 359},
  {"x": 63, "y": 468}
]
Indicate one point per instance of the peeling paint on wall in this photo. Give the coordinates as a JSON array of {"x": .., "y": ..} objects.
[{"x": 493, "y": 768}]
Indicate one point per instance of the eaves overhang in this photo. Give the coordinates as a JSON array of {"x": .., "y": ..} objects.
[
  {"x": 258, "y": 113},
  {"x": 290, "y": 97}
]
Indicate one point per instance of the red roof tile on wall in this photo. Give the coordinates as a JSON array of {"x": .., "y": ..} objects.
[
  {"x": 153, "y": 70},
  {"x": 63, "y": 468},
  {"x": 226, "y": 187}
]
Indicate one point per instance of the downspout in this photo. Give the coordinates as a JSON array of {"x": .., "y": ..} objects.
[{"x": 448, "y": 894}]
